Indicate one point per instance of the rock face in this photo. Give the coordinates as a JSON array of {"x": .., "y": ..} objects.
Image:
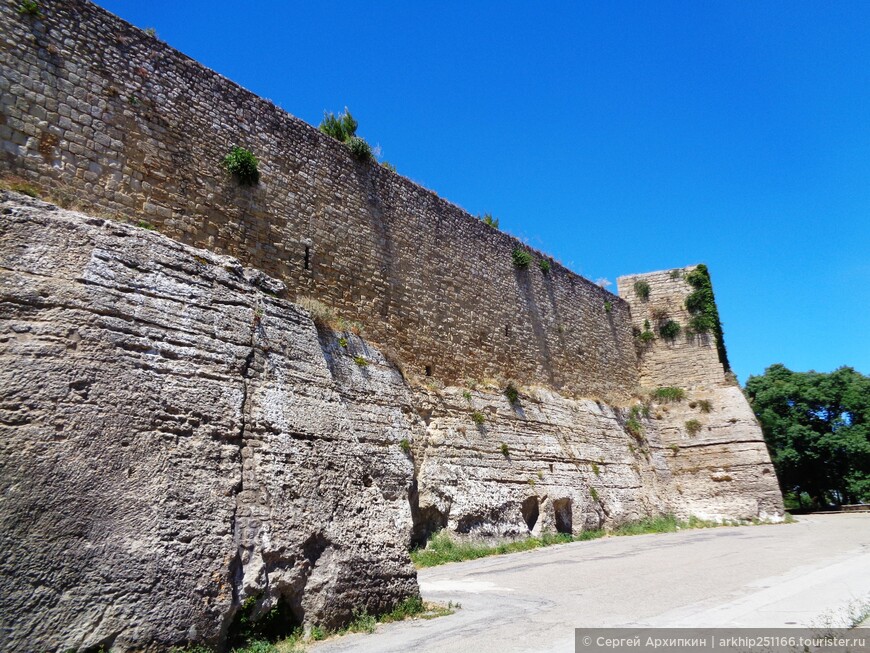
[
  {"x": 177, "y": 440},
  {"x": 174, "y": 441}
]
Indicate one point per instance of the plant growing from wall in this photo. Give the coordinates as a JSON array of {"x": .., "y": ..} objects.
[
  {"x": 634, "y": 427},
  {"x": 676, "y": 274},
  {"x": 701, "y": 303},
  {"x": 594, "y": 494},
  {"x": 693, "y": 427},
  {"x": 521, "y": 258},
  {"x": 343, "y": 129},
  {"x": 505, "y": 450},
  {"x": 511, "y": 393},
  {"x": 478, "y": 418},
  {"x": 705, "y": 406},
  {"x": 488, "y": 220},
  {"x": 670, "y": 330},
  {"x": 361, "y": 150},
  {"x": 608, "y": 306},
  {"x": 360, "y": 360},
  {"x": 242, "y": 165},
  {"x": 405, "y": 445},
  {"x": 668, "y": 393},
  {"x": 595, "y": 469},
  {"x": 545, "y": 265},
  {"x": 641, "y": 289},
  {"x": 29, "y": 8}
]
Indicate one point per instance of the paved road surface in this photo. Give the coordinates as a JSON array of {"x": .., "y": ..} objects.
[{"x": 790, "y": 574}]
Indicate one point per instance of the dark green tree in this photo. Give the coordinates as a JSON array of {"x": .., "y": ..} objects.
[{"x": 817, "y": 427}]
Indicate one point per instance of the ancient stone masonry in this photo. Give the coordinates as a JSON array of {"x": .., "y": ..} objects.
[
  {"x": 179, "y": 439},
  {"x": 96, "y": 110}
]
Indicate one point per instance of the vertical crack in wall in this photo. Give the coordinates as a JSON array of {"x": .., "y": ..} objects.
[{"x": 236, "y": 565}]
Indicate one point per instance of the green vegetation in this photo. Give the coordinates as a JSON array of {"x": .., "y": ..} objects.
[
  {"x": 817, "y": 427},
  {"x": 242, "y": 165},
  {"x": 641, "y": 289},
  {"x": 466, "y": 394},
  {"x": 668, "y": 393},
  {"x": 676, "y": 274},
  {"x": 693, "y": 427},
  {"x": 646, "y": 336},
  {"x": 511, "y": 393},
  {"x": 594, "y": 494},
  {"x": 505, "y": 450},
  {"x": 669, "y": 330},
  {"x": 150, "y": 31},
  {"x": 608, "y": 306},
  {"x": 702, "y": 305},
  {"x": 343, "y": 129},
  {"x": 634, "y": 427},
  {"x": 18, "y": 185},
  {"x": 595, "y": 469},
  {"x": 544, "y": 264},
  {"x": 443, "y": 547},
  {"x": 477, "y": 417},
  {"x": 29, "y": 8},
  {"x": 360, "y": 360},
  {"x": 705, "y": 405},
  {"x": 521, "y": 258},
  {"x": 487, "y": 219},
  {"x": 389, "y": 166},
  {"x": 359, "y": 148},
  {"x": 342, "y": 342},
  {"x": 405, "y": 445}
]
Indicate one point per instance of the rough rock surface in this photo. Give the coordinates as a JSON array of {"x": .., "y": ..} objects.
[{"x": 174, "y": 442}]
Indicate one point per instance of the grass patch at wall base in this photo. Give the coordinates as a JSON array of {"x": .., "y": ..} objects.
[{"x": 443, "y": 547}]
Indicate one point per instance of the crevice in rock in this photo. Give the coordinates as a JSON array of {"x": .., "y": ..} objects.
[{"x": 426, "y": 520}]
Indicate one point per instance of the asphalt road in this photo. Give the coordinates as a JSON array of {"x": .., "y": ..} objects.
[{"x": 785, "y": 575}]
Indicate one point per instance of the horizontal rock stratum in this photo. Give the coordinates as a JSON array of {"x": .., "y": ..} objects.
[{"x": 177, "y": 440}]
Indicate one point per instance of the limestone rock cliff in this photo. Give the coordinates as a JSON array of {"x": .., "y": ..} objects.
[
  {"x": 174, "y": 442},
  {"x": 178, "y": 440}
]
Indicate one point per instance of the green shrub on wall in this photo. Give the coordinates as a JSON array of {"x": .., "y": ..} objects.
[
  {"x": 641, "y": 289},
  {"x": 359, "y": 148},
  {"x": 343, "y": 128},
  {"x": 521, "y": 258},
  {"x": 242, "y": 165},
  {"x": 670, "y": 329},
  {"x": 702, "y": 305}
]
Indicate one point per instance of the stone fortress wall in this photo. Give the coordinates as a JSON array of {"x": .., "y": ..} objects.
[
  {"x": 95, "y": 109},
  {"x": 689, "y": 359},
  {"x": 178, "y": 371}
]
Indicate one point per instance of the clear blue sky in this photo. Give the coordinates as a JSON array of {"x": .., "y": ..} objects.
[{"x": 619, "y": 137}]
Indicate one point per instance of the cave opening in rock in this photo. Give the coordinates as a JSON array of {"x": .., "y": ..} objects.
[
  {"x": 562, "y": 515},
  {"x": 530, "y": 511}
]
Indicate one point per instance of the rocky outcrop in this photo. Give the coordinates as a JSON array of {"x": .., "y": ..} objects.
[
  {"x": 178, "y": 441},
  {"x": 174, "y": 442}
]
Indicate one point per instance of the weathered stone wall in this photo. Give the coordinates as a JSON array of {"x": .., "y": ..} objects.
[
  {"x": 94, "y": 109},
  {"x": 720, "y": 464},
  {"x": 176, "y": 440},
  {"x": 687, "y": 360}
]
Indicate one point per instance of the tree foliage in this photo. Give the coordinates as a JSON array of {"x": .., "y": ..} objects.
[
  {"x": 817, "y": 427},
  {"x": 341, "y": 127}
]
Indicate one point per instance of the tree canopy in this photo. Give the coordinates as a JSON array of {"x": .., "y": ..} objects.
[{"x": 817, "y": 427}]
